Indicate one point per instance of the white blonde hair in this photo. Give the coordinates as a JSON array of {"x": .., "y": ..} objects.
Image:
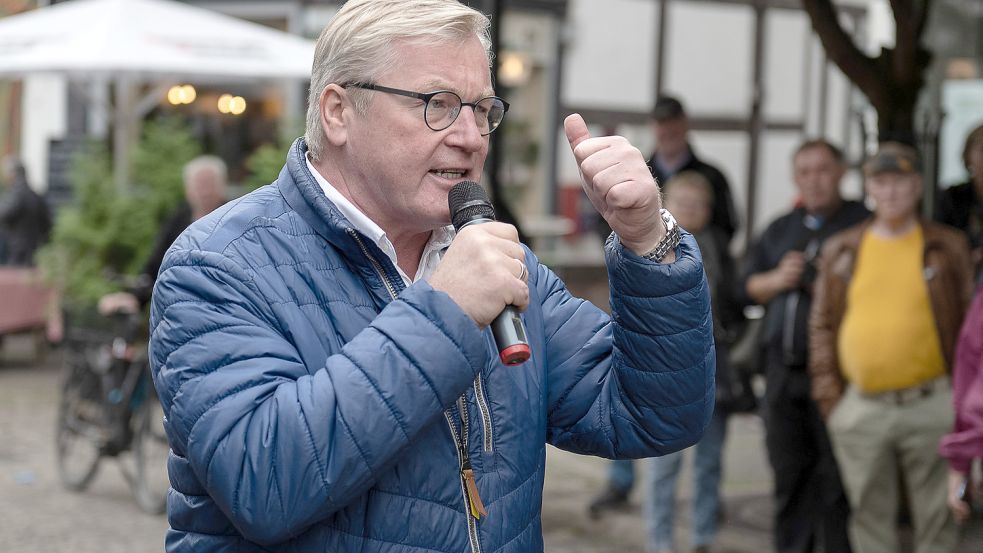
[
  {"x": 358, "y": 46},
  {"x": 690, "y": 179},
  {"x": 205, "y": 163}
]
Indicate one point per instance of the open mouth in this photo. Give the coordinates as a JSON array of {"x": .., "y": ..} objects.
[{"x": 449, "y": 174}]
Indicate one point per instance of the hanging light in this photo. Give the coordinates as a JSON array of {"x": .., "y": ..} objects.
[
  {"x": 233, "y": 105},
  {"x": 514, "y": 68},
  {"x": 237, "y": 106},
  {"x": 224, "y": 103},
  {"x": 188, "y": 93},
  {"x": 181, "y": 94}
]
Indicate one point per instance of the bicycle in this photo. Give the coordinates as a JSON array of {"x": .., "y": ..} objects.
[{"x": 108, "y": 407}]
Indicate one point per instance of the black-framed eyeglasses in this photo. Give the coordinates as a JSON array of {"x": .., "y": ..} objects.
[{"x": 443, "y": 106}]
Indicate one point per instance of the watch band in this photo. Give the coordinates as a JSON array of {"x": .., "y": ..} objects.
[{"x": 668, "y": 242}]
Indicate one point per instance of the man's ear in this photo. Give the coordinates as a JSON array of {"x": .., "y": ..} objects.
[{"x": 334, "y": 101}]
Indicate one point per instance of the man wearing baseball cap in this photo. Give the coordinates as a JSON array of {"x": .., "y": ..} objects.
[{"x": 888, "y": 303}]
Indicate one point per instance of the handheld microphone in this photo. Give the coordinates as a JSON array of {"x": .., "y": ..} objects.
[{"x": 469, "y": 205}]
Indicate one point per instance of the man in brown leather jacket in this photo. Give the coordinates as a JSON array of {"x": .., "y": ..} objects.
[{"x": 888, "y": 302}]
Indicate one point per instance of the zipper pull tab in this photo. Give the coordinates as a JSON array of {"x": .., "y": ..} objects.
[{"x": 474, "y": 500}]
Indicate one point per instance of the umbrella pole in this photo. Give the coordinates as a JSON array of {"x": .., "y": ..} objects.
[{"x": 122, "y": 133}]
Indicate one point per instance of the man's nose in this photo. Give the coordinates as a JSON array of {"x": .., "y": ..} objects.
[{"x": 465, "y": 132}]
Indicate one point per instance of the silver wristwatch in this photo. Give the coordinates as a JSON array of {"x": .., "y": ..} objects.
[{"x": 668, "y": 242}]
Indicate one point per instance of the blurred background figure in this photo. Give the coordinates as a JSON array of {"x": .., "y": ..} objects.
[
  {"x": 961, "y": 206},
  {"x": 24, "y": 219},
  {"x": 889, "y": 300},
  {"x": 205, "y": 183},
  {"x": 673, "y": 155},
  {"x": 810, "y": 507},
  {"x": 689, "y": 196},
  {"x": 965, "y": 443}
]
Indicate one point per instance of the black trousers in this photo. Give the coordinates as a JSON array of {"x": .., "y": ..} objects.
[{"x": 811, "y": 509}]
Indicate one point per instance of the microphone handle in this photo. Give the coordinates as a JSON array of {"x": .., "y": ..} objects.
[
  {"x": 507, "y": 328},
  {"x": 510, "y": 337}
]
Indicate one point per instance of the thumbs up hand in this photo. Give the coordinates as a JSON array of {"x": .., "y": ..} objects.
[{"x": 619, "y": 184}]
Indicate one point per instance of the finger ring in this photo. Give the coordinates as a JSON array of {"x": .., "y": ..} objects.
[{"x": 522, "y": 273}]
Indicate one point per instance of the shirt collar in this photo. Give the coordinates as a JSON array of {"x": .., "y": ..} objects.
[{"x": 440, "y": 239}]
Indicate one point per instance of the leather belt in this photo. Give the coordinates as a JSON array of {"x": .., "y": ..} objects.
[{"x": 913, "y": 393}]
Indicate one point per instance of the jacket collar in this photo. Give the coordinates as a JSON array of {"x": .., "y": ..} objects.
[
  {"x": 931, "y": 233},
  {"x": 304, "y": 195}
]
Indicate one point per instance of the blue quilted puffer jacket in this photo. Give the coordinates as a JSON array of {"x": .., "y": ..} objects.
[{"x": 312, "y": 400}]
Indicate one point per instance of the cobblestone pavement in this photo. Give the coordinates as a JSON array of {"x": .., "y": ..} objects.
[{"x": 38, "y": 516}]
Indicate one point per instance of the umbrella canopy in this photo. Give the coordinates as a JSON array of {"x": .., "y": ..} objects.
[{"x": 148, "y": 39}]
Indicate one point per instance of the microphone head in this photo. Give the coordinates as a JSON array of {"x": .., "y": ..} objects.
[{"x": 468, "y": 202}]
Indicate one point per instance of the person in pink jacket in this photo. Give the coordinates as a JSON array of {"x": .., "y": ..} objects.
[{"x": 965, "y": 443}]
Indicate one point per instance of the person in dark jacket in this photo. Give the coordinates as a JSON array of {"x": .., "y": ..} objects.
[
  {"x": 673, "y": 155},
  {"x": 961, "y": 206},
  {"x": 205, "y": 183},
  {"x": 779, "y": 272},
  {"x": 24, "y": 219},
  {"x": 321, "y": 346}
]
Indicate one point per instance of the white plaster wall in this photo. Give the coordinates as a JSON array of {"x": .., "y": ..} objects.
[
  {"x": 610, "y": 51},
  {"x": 44, "y": 105},
  {"x": 785, "y": 56},
  {"x": 709, "y": 57}
]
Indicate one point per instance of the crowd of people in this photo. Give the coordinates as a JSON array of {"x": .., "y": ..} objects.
[{"x": 868, "y": 391}]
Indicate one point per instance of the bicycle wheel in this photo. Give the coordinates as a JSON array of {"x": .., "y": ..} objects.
[
  {"x": 79, "y": 436},
  {"x": 150, "y": 450}
]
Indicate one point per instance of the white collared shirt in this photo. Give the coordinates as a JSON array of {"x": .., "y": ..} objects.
[{"x": 439, "y": 239}]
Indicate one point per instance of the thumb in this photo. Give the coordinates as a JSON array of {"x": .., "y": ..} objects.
[{"x": 576, "y": 129}]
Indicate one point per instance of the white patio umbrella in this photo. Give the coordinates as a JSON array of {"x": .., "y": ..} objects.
[{"x": 129, "y": 41}]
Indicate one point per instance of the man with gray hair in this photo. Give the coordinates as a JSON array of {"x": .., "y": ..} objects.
[
  {"x": 322, "y": 349},
  {"x": 204, "y": 190}
]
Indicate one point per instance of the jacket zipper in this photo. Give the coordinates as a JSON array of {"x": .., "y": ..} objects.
[
  {"x": 461, "y": 444},
  {"x": 378, "y": 266},
  {"x": 472, "y": 505},
  {"x": 479, "y": 394},
  {"x": 478, "y": 388}
]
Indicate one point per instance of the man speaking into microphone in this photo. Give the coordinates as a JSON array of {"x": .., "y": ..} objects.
[{"x": 323, "y": 350}]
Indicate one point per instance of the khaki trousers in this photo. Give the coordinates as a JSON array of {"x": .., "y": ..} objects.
[{"x": 875, "y": 441}]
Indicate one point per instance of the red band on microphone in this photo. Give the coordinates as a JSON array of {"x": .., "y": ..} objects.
[{"x": 513, "y": 355}]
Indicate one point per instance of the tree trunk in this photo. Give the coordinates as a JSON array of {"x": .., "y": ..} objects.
[{"x": 891, "y": 81}]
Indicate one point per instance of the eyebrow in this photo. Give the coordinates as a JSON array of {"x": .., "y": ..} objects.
[{"x": 433, "y": 85}]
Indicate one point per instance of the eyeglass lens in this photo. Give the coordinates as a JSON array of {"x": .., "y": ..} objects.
[{"x": 444, "y": 107}]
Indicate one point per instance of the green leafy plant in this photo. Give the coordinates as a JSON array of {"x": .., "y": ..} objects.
[
  {"x": 264, "y": 165},
  {"x": 157, "y": 164},
  {"x": 265, "y": 162},
  {"x": 106, "y": 233}
]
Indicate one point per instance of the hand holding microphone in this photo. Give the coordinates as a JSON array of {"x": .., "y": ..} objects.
[{"x": 484, "y": 271}]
